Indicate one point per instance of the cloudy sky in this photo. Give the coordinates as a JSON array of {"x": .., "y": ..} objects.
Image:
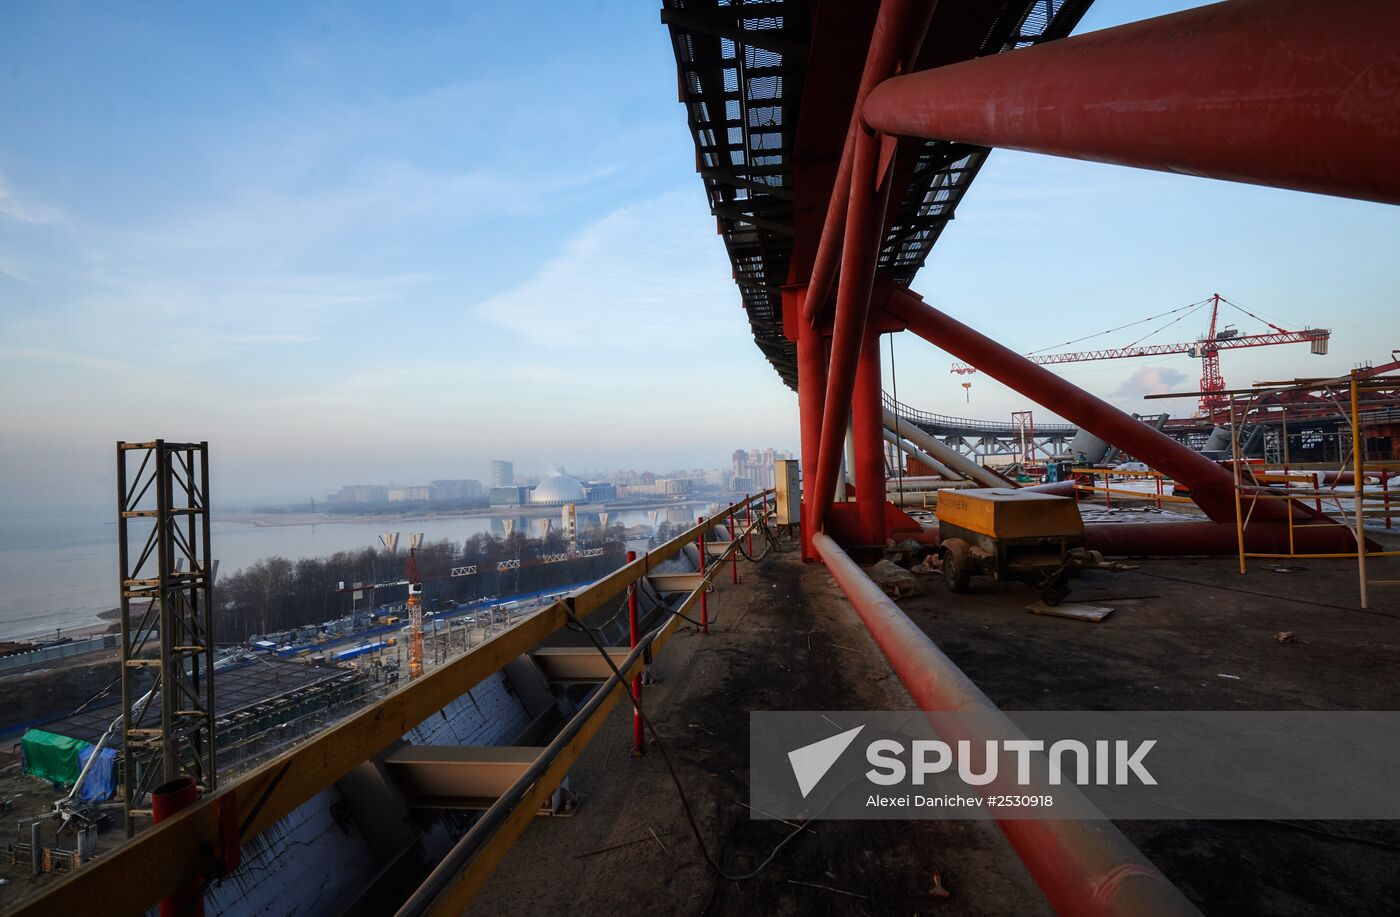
[{"x": 391, "y": 242}]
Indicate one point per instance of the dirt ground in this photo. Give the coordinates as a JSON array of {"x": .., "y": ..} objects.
[
  {"x": 787, "y": 639},
  {"x": 1179, "y": 626},
  {"x": 784, "y": 639}
]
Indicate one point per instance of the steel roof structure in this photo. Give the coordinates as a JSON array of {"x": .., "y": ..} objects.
[{"x": 746, "y": 75}]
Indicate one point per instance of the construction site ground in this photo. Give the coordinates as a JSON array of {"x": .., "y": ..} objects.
[{"x": 786, "y": 638}]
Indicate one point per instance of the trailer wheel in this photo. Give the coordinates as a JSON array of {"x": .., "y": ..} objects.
[{"x": 955, "y": 576}]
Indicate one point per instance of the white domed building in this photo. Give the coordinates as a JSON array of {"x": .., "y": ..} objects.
[{"x": 557, "y": 490}]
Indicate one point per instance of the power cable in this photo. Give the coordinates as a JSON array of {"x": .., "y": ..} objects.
[
  {"x": 1119, "y": 328},
  {"x": 680, "y": 788}
]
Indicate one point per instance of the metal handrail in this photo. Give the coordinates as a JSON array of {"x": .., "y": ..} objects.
[{"x": 967, "y": 424}]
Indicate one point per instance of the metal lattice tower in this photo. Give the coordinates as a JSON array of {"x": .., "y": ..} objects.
[{"x": 167, "y": 583}]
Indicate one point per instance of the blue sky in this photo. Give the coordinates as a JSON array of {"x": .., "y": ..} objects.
[{"x": 390, "y": 242}]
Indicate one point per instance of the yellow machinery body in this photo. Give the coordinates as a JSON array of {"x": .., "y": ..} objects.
[
  {"x": 1001, "y": 512},
  {"x": 1012, "y": 535}
]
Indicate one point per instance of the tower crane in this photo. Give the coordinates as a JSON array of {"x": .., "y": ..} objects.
[
  {"x": 1206, "y": 348},
  {"x": 415, "y": 609}
]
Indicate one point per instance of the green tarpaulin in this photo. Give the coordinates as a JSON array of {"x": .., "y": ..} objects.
[{"x": 51, "y": 757}]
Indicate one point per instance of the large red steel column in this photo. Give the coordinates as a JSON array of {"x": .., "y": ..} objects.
[
  {"x": 1212, "y": 487},
  {"x": 811, "y": 393},
  {"x": 859, "y": 253},
  {"x": 1301, "y": 94},
  {"x": 868, "y": 433}
]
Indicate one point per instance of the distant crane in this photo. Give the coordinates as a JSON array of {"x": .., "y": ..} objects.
[
  {"x": 1206, "y": 349},
  {"x": 415, "y": 609}
]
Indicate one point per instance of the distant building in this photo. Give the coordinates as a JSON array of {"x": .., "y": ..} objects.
[
  {"x": 601, "y": 492},
  {"x": 466, "y": 489},
  {"x": 414, "y": 494},
  {"x": 360, "y": 493},
  {"x": 509, "y": 496},
  {"x": 502, "y": 473},
  {"x": 673, "y": 486},
  {"x": 558, "y": 489}
]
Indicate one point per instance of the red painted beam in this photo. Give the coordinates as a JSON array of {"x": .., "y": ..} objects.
[
  {"x": 868, "y": 440},
  {"x": 1212, "y": 487},
  {"x": 811, "y": 394},
  {"x": 1301, "y": 94},
  {"x": 859, "y": 254}
]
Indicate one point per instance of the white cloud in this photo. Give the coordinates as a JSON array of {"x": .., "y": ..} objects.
[
  {"x": 14, "y": 206},
  {"x": 653, "y": 271},
  {"x": 1150, "y": 380}
]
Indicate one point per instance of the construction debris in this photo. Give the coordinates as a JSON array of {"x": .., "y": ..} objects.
[
  {"x": 1075, "y": 611},
  {"x": 895, "y": 580}
]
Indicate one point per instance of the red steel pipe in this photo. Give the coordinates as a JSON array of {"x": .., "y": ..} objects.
[
  {"x": 1301, "y": 94},
  {"x": 1212, "y": 487},
  {"x": 860, "y": 252},
  {"x": 868, "y": 437},
  {"x": 1083, "y": 867},
  {"x": 634, "y": 633},
  {"x": 811, "y": 393},
  {"x": 1166, "y": 539},
  {"x": 899, "y": 32},
  {"x": 167, "y": 800}
]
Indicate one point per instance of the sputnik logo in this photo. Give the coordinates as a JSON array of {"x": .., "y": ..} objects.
[{"x": 811, "y": 762}]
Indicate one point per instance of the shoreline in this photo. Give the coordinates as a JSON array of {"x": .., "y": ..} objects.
[{"x": 273, "y": 520}]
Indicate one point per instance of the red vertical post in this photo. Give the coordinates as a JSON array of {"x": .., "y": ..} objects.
[
  {"x": 704, "y": 605},
  {"x": 1159, "y": 491},
  {"x": 634, "y": 632},
  {"x": 733, "y": 537},
  {"x": 167, "y": 800},
  {"x": 748, "y": 524},
  {"x": 811, "y": 396},
  {"x": 868, "y": 442},
  {"x": 860, "y": 250}
]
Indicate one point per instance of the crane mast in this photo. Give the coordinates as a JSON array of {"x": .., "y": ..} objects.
[{"x": 415, "y": 616}]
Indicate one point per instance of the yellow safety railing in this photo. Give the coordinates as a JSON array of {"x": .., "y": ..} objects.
[{"x": 1309, "y": 485}]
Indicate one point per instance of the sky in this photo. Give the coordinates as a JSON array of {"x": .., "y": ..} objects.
[{"x": 352, "y": 243}]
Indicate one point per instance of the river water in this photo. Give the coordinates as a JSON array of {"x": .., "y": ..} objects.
[{"x": 59, "y": 569}]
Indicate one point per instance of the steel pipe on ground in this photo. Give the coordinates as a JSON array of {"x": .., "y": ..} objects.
[
  {"x": 1168, "y": 539},
  {"x": 1083, "y": 867},
  {"x": 946, "y": 454},
  {"x": 1301, "y": 94},
  {"x": 915, "y": 452}
]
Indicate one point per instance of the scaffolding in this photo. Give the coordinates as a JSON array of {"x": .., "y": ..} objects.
[{"x": 1255, "y": 484}]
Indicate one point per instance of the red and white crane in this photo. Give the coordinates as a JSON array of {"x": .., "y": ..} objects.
[{"x": 1206, "y": 349}]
